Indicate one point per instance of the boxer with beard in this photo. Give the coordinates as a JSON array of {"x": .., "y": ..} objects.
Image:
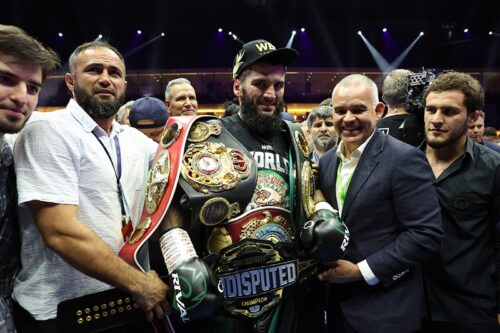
[
  {"x": 278, "y": 153},
  {"x": 261, "y": 123}
]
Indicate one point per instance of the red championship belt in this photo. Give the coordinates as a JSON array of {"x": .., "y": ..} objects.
[
  {"x": 162, "y": 181},
  {"x": 163, "y": 178}
]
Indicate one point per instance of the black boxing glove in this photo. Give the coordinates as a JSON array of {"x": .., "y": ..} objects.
[
  {"x": 197, "y": 293},
  {"x": 325, "y": 237}
]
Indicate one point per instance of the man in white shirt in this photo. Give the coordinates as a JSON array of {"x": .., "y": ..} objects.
[
  {"x": 24, "y": 66},
  {"x": 80, "y": 178}
]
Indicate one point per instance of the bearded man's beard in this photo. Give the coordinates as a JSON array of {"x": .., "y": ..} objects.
[
  {"x": 261, "y": 123},
  {"x": 96, "y": 107},
  {"x": 325, "y": 145}
]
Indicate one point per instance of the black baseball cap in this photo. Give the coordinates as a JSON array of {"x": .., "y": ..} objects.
[{"x": 261, "y": 50}]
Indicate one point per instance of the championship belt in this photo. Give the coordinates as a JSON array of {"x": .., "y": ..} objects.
[
  {"x": 265, "y": 223},
  {"x": 254, "y": 276},
  {"x": 304, "y": 188},
  {"x": 162, "y": 181},
  {"x": 218, "y": 174},
  {"x": 257, "y": 260}
]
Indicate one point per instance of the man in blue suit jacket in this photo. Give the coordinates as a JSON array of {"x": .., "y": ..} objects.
[{"x": 384, "y": 191}]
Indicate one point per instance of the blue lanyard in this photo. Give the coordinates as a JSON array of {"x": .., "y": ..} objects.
[{"x": 118, "y": 157}]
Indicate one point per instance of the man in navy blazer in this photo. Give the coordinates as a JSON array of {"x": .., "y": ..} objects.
[{"x": 384, "y": 191}]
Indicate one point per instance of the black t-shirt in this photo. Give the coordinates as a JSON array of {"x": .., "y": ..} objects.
[
  {"x": 271, "y": 154},
  {"x": 390, "y": 125}
]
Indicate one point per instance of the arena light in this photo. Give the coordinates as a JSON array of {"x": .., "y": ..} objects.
[{"x": 290, "y": 40}]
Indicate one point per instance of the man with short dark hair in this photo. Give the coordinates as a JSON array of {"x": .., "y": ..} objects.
[
  {"x": 322, "y": 131},
  {"x": 476, "y": 132},
  {"x": 463, "y": 288},
  {"x": 490, "y": 135},
  {"x": 24, "y": 66},
  {"x": 80, "y": 181}
]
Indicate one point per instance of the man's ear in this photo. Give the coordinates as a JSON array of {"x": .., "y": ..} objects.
[
  {"x": 68, "y": 78},
  {"x": 379, "y": 110},
  {"x": 237, "y": 88},
  {"x": 167, "y": 104}
]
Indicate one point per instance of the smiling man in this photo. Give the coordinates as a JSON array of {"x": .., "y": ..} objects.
[
  {"x": 462, "y": 282},
  {"x": 180, "y": 98},
  {"x": 374, "y": 180},
  {"x": 24, "y": 65}
]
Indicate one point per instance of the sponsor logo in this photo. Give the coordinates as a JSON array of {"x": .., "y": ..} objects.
[
  {"x": 265, "y": 46},
  {"x": 345, "y": 242},
  {"x": 178, "y": 298}
]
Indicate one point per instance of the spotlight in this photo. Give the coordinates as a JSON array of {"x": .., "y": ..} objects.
[
  {"x": 163, "y": 34},
  {"x": 229, "y": 33},
  {"x": 100, "y": 36},
  {"x": 139, "y": 32},
  {"x": 490, "y": 33},
  {"x": 60, "y": 34},
  {"x": 466, "y": 30},
  {"x": 302, "y": 29},
  {"x": 220, "y": 30},
  {"x": 421, "y": 33},
  {"x": 294, "y": 32},
  {"x": 360, "y": 33},
  {"x": 235, "y": 37},
  {"x": 384, "y": 30}
]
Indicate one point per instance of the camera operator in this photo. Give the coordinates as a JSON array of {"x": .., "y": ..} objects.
[
  {"x": 394, "y": 96},
  {"x": 403, "y": 90}
]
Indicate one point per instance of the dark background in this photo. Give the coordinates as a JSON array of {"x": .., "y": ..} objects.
[{"x": 191, "y": 39}]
